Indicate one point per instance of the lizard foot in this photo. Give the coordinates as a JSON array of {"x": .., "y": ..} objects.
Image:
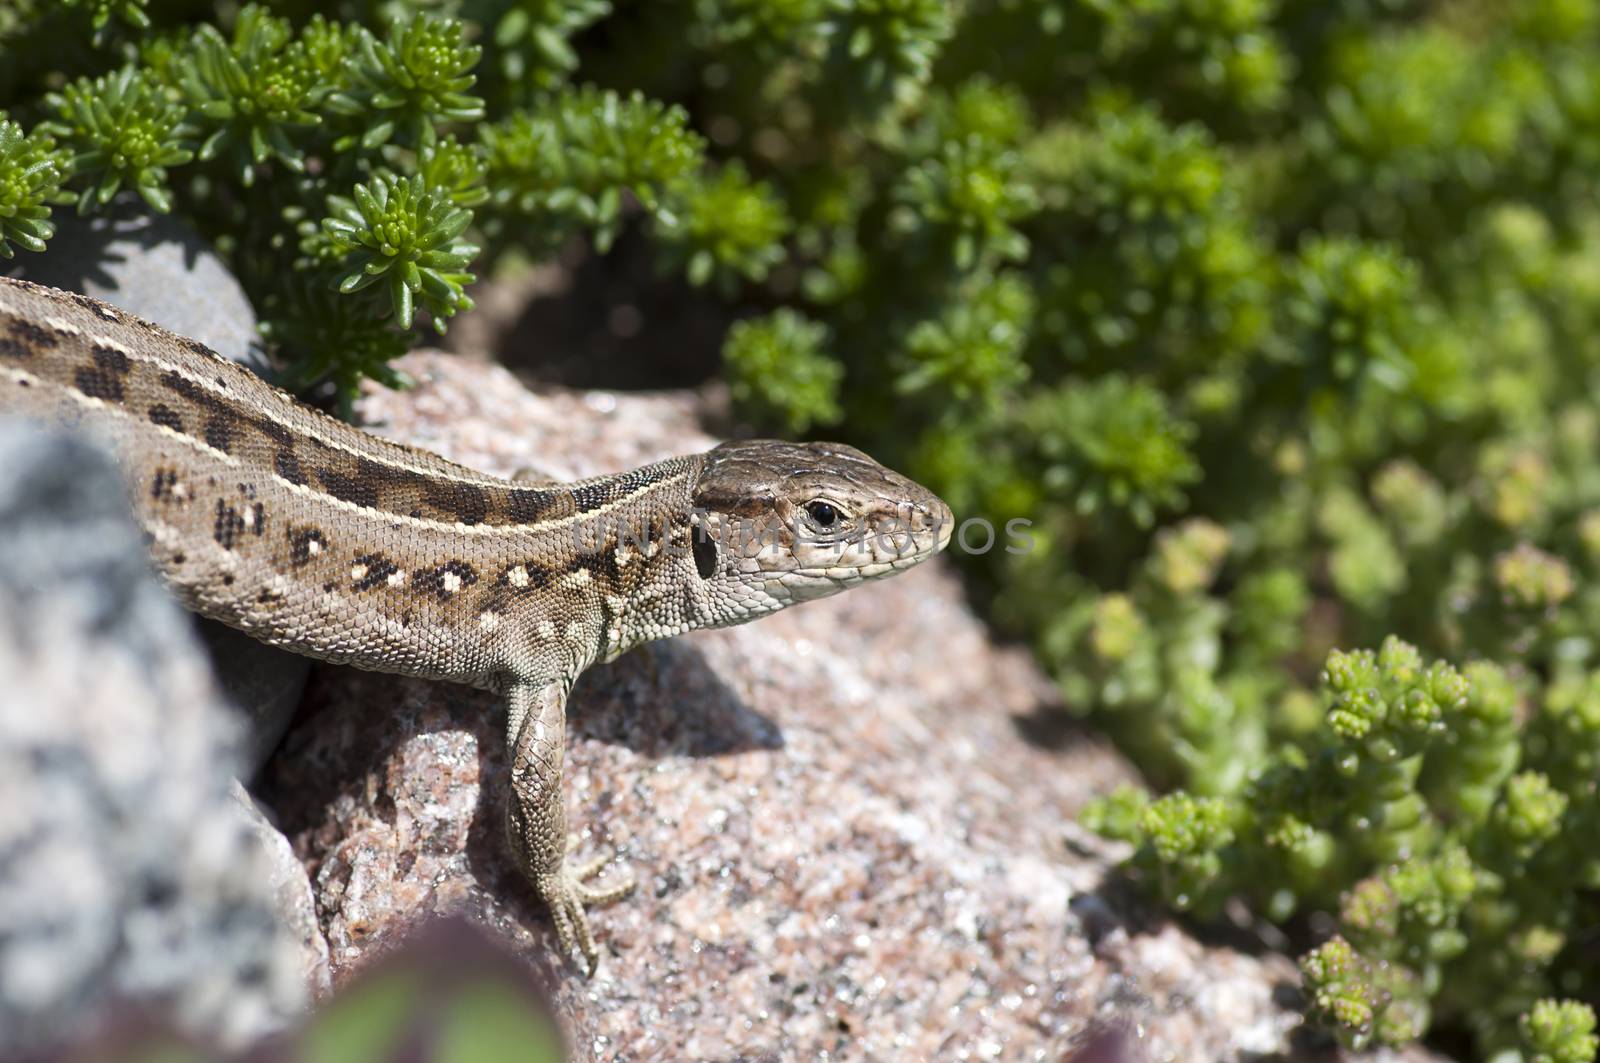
[{"x": 567, "y": 892}]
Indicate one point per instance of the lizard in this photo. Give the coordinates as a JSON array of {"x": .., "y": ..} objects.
[{"x": 310, "y": 534}]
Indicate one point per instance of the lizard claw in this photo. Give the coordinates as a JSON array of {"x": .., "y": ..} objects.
[{"x": 567, "y": 892}]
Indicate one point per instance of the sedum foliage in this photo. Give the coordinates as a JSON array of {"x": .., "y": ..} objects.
[
  {"x": 1444, "y": 831},
  {"x": 346, "y": 159},
  {"x": 1276, "y": 318}
]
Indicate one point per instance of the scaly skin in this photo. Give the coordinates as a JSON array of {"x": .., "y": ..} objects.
[{"x": 312, "y": 535}]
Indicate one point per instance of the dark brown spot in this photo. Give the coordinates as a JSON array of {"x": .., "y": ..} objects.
[
  {"x": 305, "y": 544},
  {"x": 93, "y": 305},
  {"x": 228, "y": 526},
  {"x": 103, "y": 379},
  {"x": 278, "y": 433},
  {"x": 379, "y": 568},
  {"x": 201, "y": 349},
  {"x": 260, "y": 528},
  {"x": 161, "y": 487},
  {"x": 23, "y": 337},
  {"x": 528, "y": 507},
  {"x": 165, "y": 416},
  {"x": 601, "y": 565},
  {"x": 592, "y": 496},
  {"x": 349, "y": 488},
  {"x": 110, "y": 359},
  {"x": 439, "y": 580},
  {"x": 219, "y": 431},
  {"x": 174, "y": 381},
  {"x": 284, "y": 462},
  {"x": 288, "y": 466},
  {"x": 179, "y": 558},
  {"x": 464, "y": 502},
  {"x": 227, "y": 580}
]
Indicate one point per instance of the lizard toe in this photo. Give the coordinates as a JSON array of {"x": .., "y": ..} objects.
[
  {"x": 567, "y": 893},
  {"x": 564, "y": 896}
]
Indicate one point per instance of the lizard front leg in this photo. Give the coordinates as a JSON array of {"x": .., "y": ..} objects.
[{"x": 536, "y": 819}]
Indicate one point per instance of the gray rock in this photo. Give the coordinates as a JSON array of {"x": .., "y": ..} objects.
[
  {"x": 158, "y": 268},
  {"x": 291, "y": 889},
  {"x": 154, "y": 266},
  {"x": 847, "y": 842},
  {"x": 127, "y": 874}
]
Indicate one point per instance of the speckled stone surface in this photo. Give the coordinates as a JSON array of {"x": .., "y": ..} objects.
[{"x": 852, "y": 835}]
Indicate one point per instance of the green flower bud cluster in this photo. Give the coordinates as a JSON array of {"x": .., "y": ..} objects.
[
  {"x": 32, "y": 169},
  {"x": 123, "y": 128},
  {"x": 570, "y": 159},
  {"x": 406, "y": 236},
  {"x": 777, "y": 367},
  {"x": 1410, "y": 817}
]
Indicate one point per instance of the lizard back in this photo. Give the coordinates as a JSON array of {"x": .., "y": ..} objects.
[{"x": 311, "y": 534}]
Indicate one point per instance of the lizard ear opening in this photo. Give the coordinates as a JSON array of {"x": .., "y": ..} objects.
[{"x": 705, "y": 553}]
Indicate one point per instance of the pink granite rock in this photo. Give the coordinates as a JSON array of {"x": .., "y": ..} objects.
[{"x": 852, "y": 823}]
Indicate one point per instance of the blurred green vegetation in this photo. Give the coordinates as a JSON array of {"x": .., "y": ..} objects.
[
  {"x": 446, "y": 994},
  {"x": 1276, "y": 317}
]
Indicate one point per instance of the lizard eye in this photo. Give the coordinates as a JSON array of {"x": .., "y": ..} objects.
[{"x": 822, "y": 512}]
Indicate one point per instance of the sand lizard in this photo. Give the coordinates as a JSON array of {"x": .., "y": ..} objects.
[{"x": 315, "y": 536}]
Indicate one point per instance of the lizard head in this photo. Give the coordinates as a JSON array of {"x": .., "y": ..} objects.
[{"x": 781, "y": 523}]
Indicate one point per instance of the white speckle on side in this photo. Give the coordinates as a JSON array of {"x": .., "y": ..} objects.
[
  {"x": 576, "y": 578},
  {"x": 107, "y": 313},
  {"x": 180, "y": 491},
  {"x": 450, "y": 582},
  {"x": 107, "y": 341},
  {"x": 249, "y": 518},
  {"x": 358, "y": 573},
  {"x": 652, "y": 548},
  {"x": 616, "y": 602},
  {"x": 575, "y": 632},
  {"x": 396, "y": 579},
  {"x": 166, "y": 535},
  {"x": 547, "y": 630},
  {"x": 66, "y": 327},
  {"x": 488, "y": 621},
  {"x": 313, "y": 547},
  {"x": 518, "y": 576},
  {"x": 624, "y": 555}
]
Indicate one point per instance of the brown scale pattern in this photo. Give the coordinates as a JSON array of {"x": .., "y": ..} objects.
[{"x": 313, "y": 535}]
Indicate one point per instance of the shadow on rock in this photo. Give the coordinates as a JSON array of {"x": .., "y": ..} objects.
[{"x": 664, "y": 699}]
